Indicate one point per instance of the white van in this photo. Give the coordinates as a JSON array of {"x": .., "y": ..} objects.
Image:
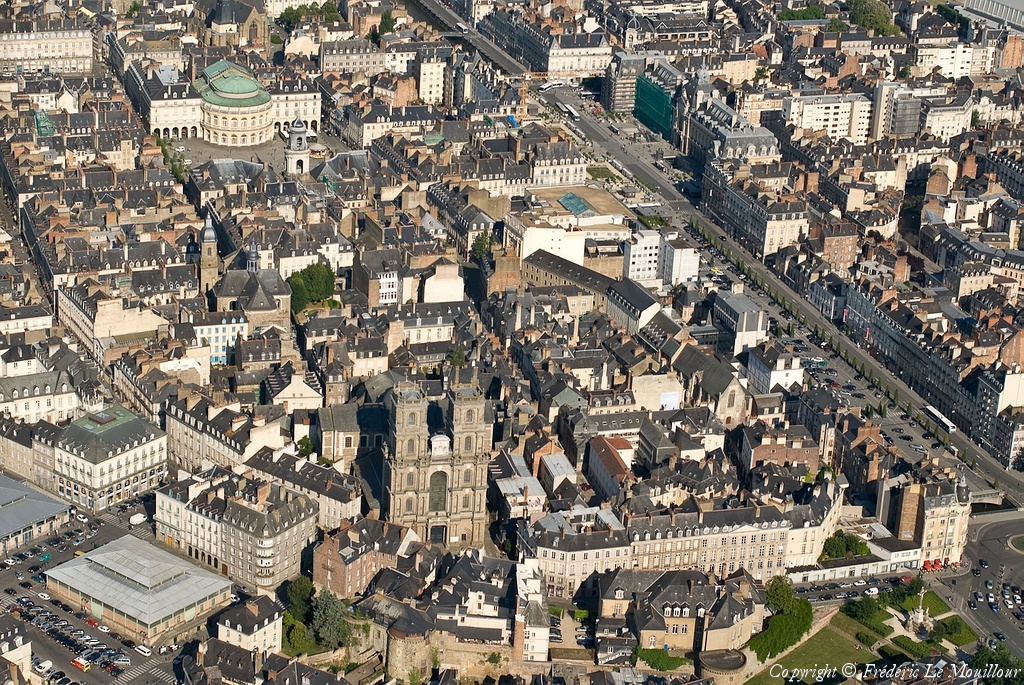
[
  {"x": 871, "y": 591},
  {"x": 43, "y": 666},
  {"x": 144, "y": 650}
]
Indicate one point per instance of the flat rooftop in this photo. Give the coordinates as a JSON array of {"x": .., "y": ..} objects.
[
  {"x": 597, "y": 199},
  {"x": 139, "y": 579},
  {"x": 21, "y": 506}
]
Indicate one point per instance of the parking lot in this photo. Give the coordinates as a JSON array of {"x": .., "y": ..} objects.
[{"x": 61, "y": 633}]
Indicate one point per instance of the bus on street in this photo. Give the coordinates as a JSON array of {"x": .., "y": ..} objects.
[{"x": 940, "y": 420}]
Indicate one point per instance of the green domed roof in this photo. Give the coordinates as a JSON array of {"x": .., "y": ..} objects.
[
  {"x": 229, "y": 85},
  {"x": 233, "y": 83}
]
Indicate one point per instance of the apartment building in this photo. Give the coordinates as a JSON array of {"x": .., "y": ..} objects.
[
  {"x": 219, "y": 330},
  {"x": 743, "y": 322},
  {"x": 253, "y": 625},
  {"x": 840, "y": 116},
  {"x": 683, "y": 610},
  {"x": 897, "y": 108},
  {"x": 678, "y": 261},
  {"x": 781, "y": 444},
  {"x": 343, "y": 432},
  {"x": 251, "y": 530},
  {"x": 47, "y": 46},
  {"x": 765, "y": 539},
  {"x": 947, "y": 117},
  {"x": 954, "y": 60},
  {"x": 715, "y": 130},
  {"x": 1008, "y": 436},
  {"x": 558, "y": 164},
  {"x": 753, "y": 203},
  {"x": 929, "y": 506},
  {"x": 773, "y": 366},
  {"x": 562, "y": 55},
  {"x": 41, "y": 396},
  {"x": 94, "y": 317},
  {"x": 16, "y": 447},
  {"x": 618, "y": 89},
  {"x": 345, "y": 562},
  {"x": 104, "y": 458},
  {"x": 352, "y": 56},
  {"x": 201, "y": 433},
  {"x": 430, "y": 67},
  {"x": 569, "y": 546},
  {"x": 630, "y": 305},
  {"x": 26, "y": 318},
  {"x": 641, "y": 258},
  {"x": 338, "y": 495},
  {"x": 377, "y": 119}
]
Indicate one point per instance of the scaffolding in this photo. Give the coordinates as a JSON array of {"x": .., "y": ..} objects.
[{"x": 653, "y": 106}]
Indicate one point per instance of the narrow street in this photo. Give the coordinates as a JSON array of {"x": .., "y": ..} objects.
[{"x": 21, "y": 254}]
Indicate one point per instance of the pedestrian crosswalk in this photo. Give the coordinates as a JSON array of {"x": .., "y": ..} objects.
[
  {"x": 111, "y": 520},
  {"x": 147, "y": 672},
  {"x": 143, "y": 532}
]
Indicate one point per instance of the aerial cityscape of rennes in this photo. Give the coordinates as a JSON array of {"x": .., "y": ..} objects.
[{"x": 511, "y": 342}]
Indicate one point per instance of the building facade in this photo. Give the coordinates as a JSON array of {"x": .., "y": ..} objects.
[
  {"x": 40, "y": 47},
  {"x": 104, "y": 458},
  {"x": 436, "y": 471},
  {"x": 840, "y": 116},
  {"x": 251, "y": 530}
]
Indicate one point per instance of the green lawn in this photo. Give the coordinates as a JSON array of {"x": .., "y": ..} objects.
[
  {"x": 932, "y": 602},
  {"x": 845, "y": 624},
  {"x": 827, "y": 648},
  {"x": 961, "y": 634},
  {"x": 652, "y": 221},
  {"x": 875, "y": 623},
  {"x": 599, "y": 172},
  {"x": 916, "y": 649},
  {"x": 1018, "y": 543}
]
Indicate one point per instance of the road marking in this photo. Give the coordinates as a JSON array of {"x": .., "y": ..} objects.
[{"x": 146, "y": 669}]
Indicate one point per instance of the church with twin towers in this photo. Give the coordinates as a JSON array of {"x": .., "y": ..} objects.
[{"x": 440, "y": 434}]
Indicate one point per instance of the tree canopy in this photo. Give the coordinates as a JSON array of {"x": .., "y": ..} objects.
[
  {"x": 293, "y": 15},
  {"x": 481, "y": 245},
  {"x": 387, "y": 22},
  {"x": 779, "y": 594},
  {"x": 792, "y": 619},
  {"x": 873, "y": 15},
  {"x": 1008, "y": 668},
  {"x": 457, "y": 357},
  {"x": 809, "y": 13},
  {"x": 329, "y": 623},
  {"x": 842, "y": 546},
  {"x": 313, "y": 284},
  {"x": 300, "y": 595}
]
